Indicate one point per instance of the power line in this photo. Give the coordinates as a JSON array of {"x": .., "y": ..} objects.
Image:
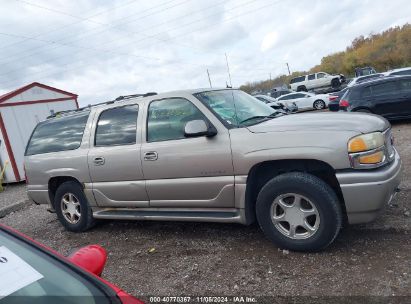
[
  {"x": 69, "y": 25},
  {"x": 104, "y": 24},
  {"x": 229, "y": 19},
  {"x": 57, "y": 43}
]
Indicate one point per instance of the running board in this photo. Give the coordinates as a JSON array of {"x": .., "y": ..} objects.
[{"x": 178, "y": 215}]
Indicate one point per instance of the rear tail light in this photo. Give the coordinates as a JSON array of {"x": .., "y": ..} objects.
[
  {"x": 332, "y": 97},
  {"x": 344, "y": 103}
]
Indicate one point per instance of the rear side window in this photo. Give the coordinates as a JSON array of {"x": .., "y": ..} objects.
[
  {"x": 58, "y": 134},
  {"x": 384, "y": 88},
  {"x": 406, "y": 72},
  {"x": 366, "y": 92},
  {"x": 297, "y": 79},
  {"x": 311, "y": 77},
  {"x": 117, "y": 126},
  {"x": 405, "y": 84}
]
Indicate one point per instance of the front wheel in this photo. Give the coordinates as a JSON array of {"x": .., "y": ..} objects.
[
  {"x": 299, "y": 211},
  {"x": 335, "y": 83},
  {"x": 72, "y": 207}
]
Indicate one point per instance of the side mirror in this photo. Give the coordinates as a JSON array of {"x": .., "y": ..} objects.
[
  {"x": 195, "y": 128},
  {"x": 91, "y": 258}
]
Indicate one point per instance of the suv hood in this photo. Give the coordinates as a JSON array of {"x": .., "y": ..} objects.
[{"x": 326, "y": 121}]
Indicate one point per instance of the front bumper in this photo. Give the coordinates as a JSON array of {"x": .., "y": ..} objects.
[{"x": 366, "y": 192}]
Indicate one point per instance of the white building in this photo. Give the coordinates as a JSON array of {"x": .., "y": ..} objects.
[{"x": 20, "y": 111}]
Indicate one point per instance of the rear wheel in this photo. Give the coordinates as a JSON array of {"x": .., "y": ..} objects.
[
  {"x": 319, "y": 104},
  {"x": 299, "y": 211},
  {"x": 72, "y": 207},
  {"x": 302, "y": 89}
]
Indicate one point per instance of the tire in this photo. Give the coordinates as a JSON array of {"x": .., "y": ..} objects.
[
  {"x": 302, "y": 89},
  {"x": 335, "y": 83},
  {"x": 316, "y": 194},
  {"x": 319, "y": 104},
  {"x": 75, "y": 201}
]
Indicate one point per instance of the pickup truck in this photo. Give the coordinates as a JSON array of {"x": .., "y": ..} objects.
[
  {"x": 316, "y": 81},
  {"x": 216, "y": 155}
]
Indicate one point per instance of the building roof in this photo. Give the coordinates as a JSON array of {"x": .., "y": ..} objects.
[{"x": 11, "y": 94}]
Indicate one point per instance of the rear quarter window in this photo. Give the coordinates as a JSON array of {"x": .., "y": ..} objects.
[
  {"x": 384, "y": 88},
  {"x": 57, "y": 134}
]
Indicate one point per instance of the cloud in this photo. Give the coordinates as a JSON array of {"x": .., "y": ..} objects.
[
  {"x": 112, "y": 48},
  {"x": 269, "y": 41}
]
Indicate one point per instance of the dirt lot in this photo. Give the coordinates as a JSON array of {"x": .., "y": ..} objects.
[{"x": 220, "y": 259}]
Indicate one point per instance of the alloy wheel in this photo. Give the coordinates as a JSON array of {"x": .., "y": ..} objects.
[
  {"x": 295, "y": 216},
  {"x": 70, "y": 207}
]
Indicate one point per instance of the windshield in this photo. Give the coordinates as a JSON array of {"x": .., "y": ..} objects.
[
  {"x": 236, "y": 108},
  {"x": 44, "y": 279}
]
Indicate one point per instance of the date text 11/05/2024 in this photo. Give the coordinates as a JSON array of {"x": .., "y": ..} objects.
[{"x": 203, "y": 299}]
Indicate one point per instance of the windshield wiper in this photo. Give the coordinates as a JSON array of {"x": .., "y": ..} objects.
[
  {"x": 263, "y": 118},
  {"x": 252, "y": 118}
]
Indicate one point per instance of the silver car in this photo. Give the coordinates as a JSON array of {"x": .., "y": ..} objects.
[{"x": 217, "y": 156}]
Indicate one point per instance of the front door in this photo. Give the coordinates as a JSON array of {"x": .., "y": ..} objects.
[
  {"x": 114, "y": 159},
  {"x": 405, "y": 98},
  {"x": 185, "y": 172}
]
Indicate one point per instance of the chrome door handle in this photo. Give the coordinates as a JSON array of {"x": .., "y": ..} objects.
[
  {"x": 150, "y": 156},
  {"x": 99, "y": 161}
]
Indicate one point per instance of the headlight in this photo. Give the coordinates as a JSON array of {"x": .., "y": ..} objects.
[
  {"x": 367, "y": 151},
  {"x": 366, "y": 142}
]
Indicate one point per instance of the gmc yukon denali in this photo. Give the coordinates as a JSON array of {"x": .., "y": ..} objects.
[{"x": 217, "y": 156}]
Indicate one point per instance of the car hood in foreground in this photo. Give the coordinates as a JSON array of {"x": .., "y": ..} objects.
[{"x": 326, "y": 121}]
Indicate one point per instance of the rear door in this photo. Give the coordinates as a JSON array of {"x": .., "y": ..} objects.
[
  {"x": 386, "y": 99},
  {"x": 114, "y": 158},
  {"x": 405, "y": 99}
]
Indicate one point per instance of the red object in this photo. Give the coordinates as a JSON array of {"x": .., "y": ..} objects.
[
  {"x": 9, "y": 149},
  {"x": 31, "y": 85},
  {"x": 344, "y": 103},
  {"x": 92, "y": 258},
  {"x": 332, "y": 97},
  {"x": 124, "y": 297}
]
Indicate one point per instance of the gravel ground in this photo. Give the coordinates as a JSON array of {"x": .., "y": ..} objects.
[
  {"x": 222, "y": 259},
  {"x": 12, "y": 193}
]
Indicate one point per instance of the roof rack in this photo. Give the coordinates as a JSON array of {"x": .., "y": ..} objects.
[{"x": 120, "y": 98}]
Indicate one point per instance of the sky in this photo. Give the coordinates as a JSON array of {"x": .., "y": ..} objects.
[{"x": 101, "y": 49}]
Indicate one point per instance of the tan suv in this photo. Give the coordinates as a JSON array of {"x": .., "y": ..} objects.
[{"x": 218, "y": 156}]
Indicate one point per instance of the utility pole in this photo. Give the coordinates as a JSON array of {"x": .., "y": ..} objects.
[
  {"x": 288, "y": 67},
  {"x": 228, "y": 70},
  {"x": 270, "y": 76},
  {"x": 209, "y": 79}
]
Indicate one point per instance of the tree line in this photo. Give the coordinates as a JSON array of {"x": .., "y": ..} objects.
[{"x": 384, "y": 51}]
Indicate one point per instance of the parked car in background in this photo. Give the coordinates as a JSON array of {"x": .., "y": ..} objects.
[
  {"x": 335, "y": 97},
  {"x": 279, "y": 92},
  {"x": 388, "y": 96},
  {"x": 37, "y": 274},
  {"x": 364, "y": 71},
  {"x": 361, "y": 79},
  {"x": 273, "y": 103},
  {"x": 306, "y": 100},
  {"x": 398, "y": 72},
  {"x": 316, "y": 81},
  {"x": 214, "y": 155}
]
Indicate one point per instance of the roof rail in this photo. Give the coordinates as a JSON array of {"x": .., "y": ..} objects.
[
  {"x": 135, "y": 95},
  {"x": 120, "y": 98}
]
